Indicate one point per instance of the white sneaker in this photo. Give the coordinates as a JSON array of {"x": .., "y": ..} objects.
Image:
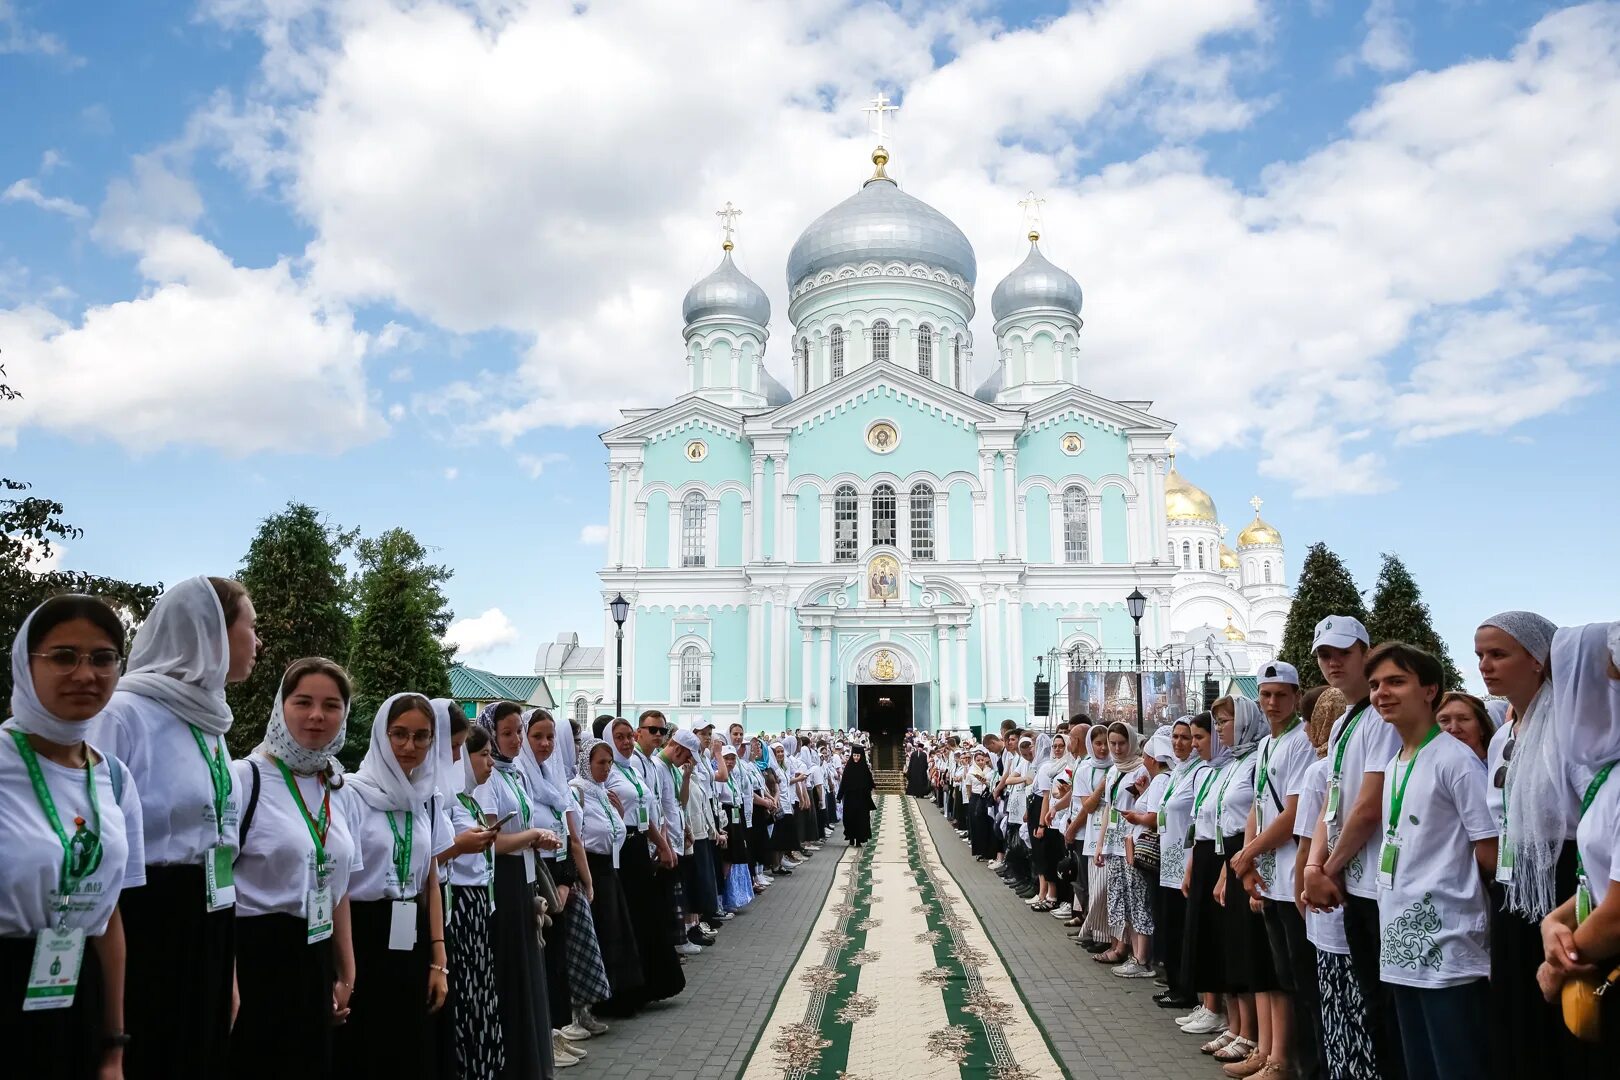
[
  {"x": 791, "y": 864},
  {"x": 1207, "y": 1025},
  {"x": 1062, "y": 911},
  {"x": 766, "y": 880},
  {"x": 1198, "y": 1013},
  {"x": 1032, "y": 901},
  {"x": 686, "y": 948},
  {"x": 708, "y": 931},
  {"x": 585, "y": 1019},
  {"x": 575, "y": 1033},
  {"x": 1130, "y": 969},
  {"x": 562, "y": 1054}
]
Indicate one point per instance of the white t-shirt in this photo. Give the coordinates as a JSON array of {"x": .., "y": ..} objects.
[
  {"x": 1177, "y": 805},
  {"x": 377, "y": 878},
  {"x": 601, "y": 829},
  {"x": 1284, "y": 767},
  {"x": 1368, "y": 750},
  {"x": 475, "y": 868},
  {"x": 276, "y": 867},
  {"x": 1325, "y": 929},
  {"x": 1020, "y": 782},
  {"x": 1088, "y": 777},
  {"x": 31, "y": 871},
  {"x": 1596, "y": 839},
  {"x": 1205, "y": 781},
  {"x": 1152, "y": 798},
  {"x": 177, "y": 790},
  {"x": 1435, "y": 918},
  {"x": 1233, "y": 796},
  {"x": 637, "y": 792},
  {"x": 1047, "y": 772},
  {"x": 1119, "y": 799}
]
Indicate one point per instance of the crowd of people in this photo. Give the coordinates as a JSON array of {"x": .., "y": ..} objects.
[
  {"x": 1381, "y": 878},
  {"x": 469, "y": 903}
]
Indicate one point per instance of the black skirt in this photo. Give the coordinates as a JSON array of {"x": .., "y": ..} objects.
[
  {"x": 1249, "y": 966},
  {"x": 176, "y": 948},
  {"x": 54, "y": 1044},
  {"x": 1170, "y": 921},
  {"x": 650, "y": 899},
  {"x": 759, "y": 837},
  {"x": 284, "y": 1025},
  {"x": 736, "y": 849},
  {"x": 614, "y": 932},
  {"x": 809, "y": 830},
  {"x": 389, "y": 1034},
  {"x": 786, "y": 834},
  {"x": 520, "y": 973},
  {"x": 1203, "y": 956},
  {"x": 558, "y": 993}
]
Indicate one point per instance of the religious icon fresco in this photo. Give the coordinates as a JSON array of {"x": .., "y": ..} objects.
[{"x": 883, "y": 578}]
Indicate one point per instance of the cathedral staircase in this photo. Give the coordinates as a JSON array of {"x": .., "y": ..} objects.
[{"x": 889, "y": 781}]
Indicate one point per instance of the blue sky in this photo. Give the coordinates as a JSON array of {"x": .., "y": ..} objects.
[{"x": 404, "y": 264}]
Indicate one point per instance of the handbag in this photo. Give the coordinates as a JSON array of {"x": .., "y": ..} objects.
[
  {"x": 1582, "y": 999},
  {"x": 1067, "y": 868},
  {"x": 1145, "y": 854}
]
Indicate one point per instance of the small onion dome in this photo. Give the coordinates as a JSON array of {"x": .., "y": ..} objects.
[
  {"x": 1259, "y": 532},
  {"x": 727, "y": 293},
  {"x": 1229, "y": 559},
  {"x": 1233, "y": 633},
  {"x": 1036, "y": 283},
  {"x": 1186, "y": 501}
]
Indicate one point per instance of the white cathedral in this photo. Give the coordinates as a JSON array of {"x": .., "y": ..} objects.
[{"x": 883, "y": 544}]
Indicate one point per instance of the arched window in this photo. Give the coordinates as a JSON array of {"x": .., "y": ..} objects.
[
  {"x": 1267, "y": 568},
  {"x": 804, "y": 364},
  {"x": 1076, "y": 542},
  {"x": 693, "y": 512},
  {"x": 925, "y": 351},
  {"x": 691, "y": 676},
  {"x": 1200, "y": 554},
  {"x": 838, "y": 352},
  {"x": 846, "y": 519},
  {"x": 582, "y": 713},
  {"x": 880, "y": 342},
  {"x": 883, "y": 514},
  {"x": 1172, "y": 553},
  {"x": 1186, "y": 555},
  {"x": 956, "y": 361},
  {"x": 922, "y": 522}
]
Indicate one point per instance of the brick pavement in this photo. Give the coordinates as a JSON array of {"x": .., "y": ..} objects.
[
  {"x": 707, "y": 1032},
  {"x": 1102, "y": 1028}
]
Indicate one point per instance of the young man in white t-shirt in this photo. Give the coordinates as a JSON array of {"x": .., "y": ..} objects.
[
  {"x": 1344, "y": 850},
  {"x": 1437, "y": 844}
]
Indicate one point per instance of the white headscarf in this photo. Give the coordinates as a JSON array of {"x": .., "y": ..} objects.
[
  {"x": 380, "y": 780},
  {"x": 546, "y": 791},
  {"x": 1159, "y": 747},
  {"x": 444, "y": 754},
  {"x": 1250, "y": 727},
  {"x": 622, "y": 759},
  {"x": 1498, "y": 710},
  {"x": 182, "y": 655},
  {"x": 584, "y": 782},
  {"x": 565, "y": 752},
  {"x": 279, "y": 743},
  {"x": 1586, "y": 701},
  {"x": 1133, "y": 750},
  {"x": 1043, "y": 750},
  {"x": 27, "y": 714}
]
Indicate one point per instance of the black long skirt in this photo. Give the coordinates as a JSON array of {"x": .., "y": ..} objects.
[
  {"x": 284, "y": 1025},
  {"x": 54, "y": 1044},
  {"x": 786, "y": 833},
  {"x": 759, "y": 838},
  {"x": 1249, "y": 965},
  {"x": 1203, "y": 956},
  {"x": 981, "y": 830},
  {"x": 809, "y": 829},
  {"x": 390, "y": 1033},
  {"x": 520, "y": 973},
  {"x": 737, "y": 841},
  {"x": 614, "y": 932},
  {"x": 1170, "y": 921},
  {"x": 917, "y": 777},
  {"x": 176, "y": 948},
  {"x": 480, "y": 1051},
  {"x": 858, "y": 819},
  {"x": 649, "y": 896}
]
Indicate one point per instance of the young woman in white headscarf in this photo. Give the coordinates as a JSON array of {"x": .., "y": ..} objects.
[
  {"x": 1582, "y": 937},
  {"x": 785, "y": 828},
  {"x": 1172, "y": 812},
  {"x": 1046, "y": 839},
  {"x": 73, "y": 842},
  {"x": 396, "y": 912},
  {"x": 1090, "y": 904},
  {"x": 602, "y": 796},
  {"x": 295, "y": 971},
  {"x": 735, "y": 785},
  {"x": 520, "y": 972},
  {"x": 1130, "y": 904},
  {"x": 1535, "y": 792},
  {"x": 167, "y": 722}
]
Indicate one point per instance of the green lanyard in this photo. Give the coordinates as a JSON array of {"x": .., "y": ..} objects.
[
  {"x": 81, "y": 854},
  {"x": 1220, "y": 796},
  {"x": 1583, "y": 890},
  {"x": 1164, "y": 804},
  {"x": 1398, "y": 796},
  {"x": 219, "y": 771},
  {"x": 630, "y": 774},
  {"x": 1265, "y": 759},
  {"x": 614, "y": 824},
  {"x": 317, "y": 826},
  {"x": 477, "y": 813},
  {"x": 1198, "y": 802},
  {"x": 523, "y": 800},
  {"x": 402, "y": 849},
  {"x": 1344, "y": 742}
]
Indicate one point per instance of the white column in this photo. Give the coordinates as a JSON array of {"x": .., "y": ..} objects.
[
  {"x": 1133, "y": 532},
  {"x": 902, "y": 520},
  {"x": 984, "y": 508},
  {"x": 1015, "y": 650},
  {"x": 756, "y": 645},
  {"x": 1009, "y": 492},
  {"x": 825, "y": 683},
  {"x": 638, "y": 539},
  {"x": 1054, "y": 518},
  {"x": 711, "y": 533},
  {"x": 942, "y": 525},
  {"x": 805, "y": 682},
  {"x": 756, "y": 538},
  {"x": 674, "y": 532},
  {"x": 748, "y": 531},
  {"x": 825, "y": 552},
  {"x": 982, "y": 531},
  {"x": 993, "y": 642},
  {"x": 615, "y": 544},
  {"x": 863, "y": 523},
  {"x": 1094, "y": 527},
  {"x": 788, "y": 543},
  {"x": 779, "y": 645},
  {"x": 943, "y": 662},
  {"x": 961, "y": 677},
  {"x": 778, "y": 543}
]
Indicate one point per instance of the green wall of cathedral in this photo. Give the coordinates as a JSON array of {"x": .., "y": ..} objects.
[
  {"x": 1040, "y": 453},
  {"x": 929, "y": 441}
]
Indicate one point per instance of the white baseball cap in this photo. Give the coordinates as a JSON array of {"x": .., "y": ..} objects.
[
  {"x": 1339, "y": 631},
  {"x": 1277, "y": 671},
  {"x": 689, "y": 741}
]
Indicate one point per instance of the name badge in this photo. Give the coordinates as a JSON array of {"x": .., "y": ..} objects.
[
  {"x": 1583, "y": 901},
  {"x": 1388, "y": 856},
  {"x": 1192, "y": 837},
  {"x": 1504, "y": 863},
  {"x": 1330, "y": 813},
  {"x": 402, "y": 927},
  {"x": 615, "y": 854},
  {"x": 1164, "y": 822},
  {"x": 528, "y": 865},
  {"x": 318, "y": 914},
  {"x": 54, "y": 975},
  {"x": 219, "y": 877},
  {"x": 1220, "y": 842},
  {"x": 641, "y": 816},
  {"x": 1113, "y": 817}
]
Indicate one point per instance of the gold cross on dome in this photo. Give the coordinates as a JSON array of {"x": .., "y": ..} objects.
[
  {"x": 728, "y": 217},
  {"x": 1031, "y": 204},
  {"x": 880, "y": 105},
  {"x": 1257, "y": 502},
  {"x": 1171, "y": 445}
]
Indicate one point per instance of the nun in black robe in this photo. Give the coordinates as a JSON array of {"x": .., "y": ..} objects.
[
  {"x": 855, "y": 792},
  {"x": 917, "y": 774}
]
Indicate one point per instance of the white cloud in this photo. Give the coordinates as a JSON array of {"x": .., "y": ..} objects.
[
  {"x": 39, "y": 561},
  {"x": 481, "y": 633},
  {"x": 593, "y": 534},
  {"x": 451, "y": 473},
  {"x": 17, "y": 37},
  {"x": 535, "y": 464},
  {"x": 27, "y": 191},
  {"x": 1387, "y": 47}
]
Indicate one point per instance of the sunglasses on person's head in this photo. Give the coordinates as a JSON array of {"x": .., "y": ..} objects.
[{"x": 1500, "y": 780}]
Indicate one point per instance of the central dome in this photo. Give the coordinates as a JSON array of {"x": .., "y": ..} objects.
[{"x": 881, "y": 223}]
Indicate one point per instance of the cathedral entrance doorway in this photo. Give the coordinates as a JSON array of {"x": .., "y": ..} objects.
[{"x": 884, "y": 713}]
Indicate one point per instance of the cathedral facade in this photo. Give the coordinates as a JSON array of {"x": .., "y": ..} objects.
[{"x": 883, "y": 543}]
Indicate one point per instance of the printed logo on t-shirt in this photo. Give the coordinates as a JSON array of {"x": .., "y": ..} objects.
[{"x": 1409, "y": 941}]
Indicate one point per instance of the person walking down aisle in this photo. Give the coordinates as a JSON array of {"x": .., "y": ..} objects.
[
  {"x": 855, "y": 793},
  {"x": 61, "y": 937},
  {"x": 167, "y": 722}
]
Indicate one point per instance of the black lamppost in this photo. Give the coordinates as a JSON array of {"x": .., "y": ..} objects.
[
  {"x": 620, "y": 607},
  {"x": 1136, "y": 604}
]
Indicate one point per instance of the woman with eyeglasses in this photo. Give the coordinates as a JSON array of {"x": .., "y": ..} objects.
[
  {"x": 1534, "y": 791},
  {"x": 294, "y": 954},
  {"x": 73, "y": 843},
  {"x": 167, "y": 722},
  {"x": 396, "y": 913}
]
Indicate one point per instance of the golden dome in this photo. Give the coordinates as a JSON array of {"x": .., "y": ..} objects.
[
  {"x": 1183, "y": 500},
  {"x": 1232, "y": 632},
  {"x": 1258, "y": 531},
  {"x": 1229, "y": 559}
]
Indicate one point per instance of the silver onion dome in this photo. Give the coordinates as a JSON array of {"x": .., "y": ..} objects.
[
  {"x": 1036, "y": 283},
  {"x": 881, "y": 223},
  {"x": 727, "y": 293}
]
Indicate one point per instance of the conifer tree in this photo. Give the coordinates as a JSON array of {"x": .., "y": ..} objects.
[
  {"x": 1399, "y": 614},
  {"x": 399, "y": 624},
  {"x": 1325, "y": 588},
  {"x": 303, "y": 597}
]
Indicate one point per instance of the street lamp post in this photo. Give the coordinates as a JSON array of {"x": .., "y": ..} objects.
[
  {"x": 1136, "y": 604},
  {"x": 620, "y": 607}
]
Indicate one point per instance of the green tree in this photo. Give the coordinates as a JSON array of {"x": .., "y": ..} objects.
[
  {"x": 1325, "y": 588},
  {"x": 303, "y": 596},
  {"x": 399, "y": 624},
  {"x": 1399, "y": 614},
  {"x": 30, "y": 527}
]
